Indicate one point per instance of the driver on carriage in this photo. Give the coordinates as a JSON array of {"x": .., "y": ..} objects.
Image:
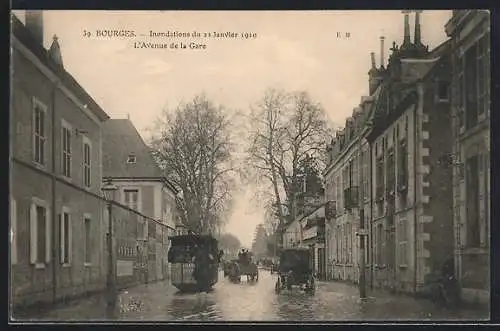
[{"x": 243, "y": 256}]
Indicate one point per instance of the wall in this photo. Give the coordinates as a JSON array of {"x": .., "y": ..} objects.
[
  {"x": 387, "y": 271},
  {"x": 32, "y": 283},
  {"x": 472, "y": 266},
  {"x": 340, "y": 267}
]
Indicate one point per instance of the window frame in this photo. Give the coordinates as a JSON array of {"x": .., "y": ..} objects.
[
  {"x": 131, "y": 159},
  {"x": 403, "y": 243},
  {"x": 473, "y": 199},
  {"x": 128, "y": 189},
  {"x": 87, "y": 261},
  {"x": 37, "y": 202},
  {"x": 13, "y": 231},
  {"x": 62, "y": 239},
  {"x": 38, "y": 104},
  {"x": 66, "y": 149},
  {"x": 86, "y": 167}
]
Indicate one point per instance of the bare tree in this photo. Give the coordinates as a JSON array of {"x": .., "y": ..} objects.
[
  {"x": 286, "y": 129},
  {"x": 193, "y": 146}
]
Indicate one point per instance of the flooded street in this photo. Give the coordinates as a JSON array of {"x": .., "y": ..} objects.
[{"x": 254, "y": 302}]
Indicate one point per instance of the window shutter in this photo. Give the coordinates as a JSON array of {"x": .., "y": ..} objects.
[
  {"x": 70, "y": 239},
  {"x": 61, "y": 238},
  {"x": 48, "y": 236},
  {"x": 13, "y": 229},
  {"x": 33, "y": 234}
]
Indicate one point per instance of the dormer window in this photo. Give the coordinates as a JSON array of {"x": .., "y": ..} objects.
[{"x": 131, "y": 159}]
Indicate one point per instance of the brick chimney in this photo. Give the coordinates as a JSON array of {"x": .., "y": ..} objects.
[{"x": 34, "y": 23}]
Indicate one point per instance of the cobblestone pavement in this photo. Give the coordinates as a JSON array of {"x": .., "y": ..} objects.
[{"x": 256, "y": 302}]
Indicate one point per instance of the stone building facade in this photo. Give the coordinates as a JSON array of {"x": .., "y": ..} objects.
[
  {"x": 55, "y": 174},
  {"x": 411, "y": 172},
  {"x": 469, "y": 31},
  {"x": 347, "y": 173},
  {"x": 142, "y": 187}
]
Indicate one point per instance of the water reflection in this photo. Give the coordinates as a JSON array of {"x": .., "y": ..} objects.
[
  {"x": 295, "y": 305},
  {"x": 196, "y": 306}
]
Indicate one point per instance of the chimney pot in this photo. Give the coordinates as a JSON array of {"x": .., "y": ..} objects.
[
  {"x": 407, "y": 27},
  {"x": 34, "y": 23},
  {"x": 372, "y": 54},
  {"x": 417, "y": 36},
  {"x": 382, "y": 60}
]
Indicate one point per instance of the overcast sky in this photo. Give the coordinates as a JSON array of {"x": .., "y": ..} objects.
[{"x": 294, "y": 50}]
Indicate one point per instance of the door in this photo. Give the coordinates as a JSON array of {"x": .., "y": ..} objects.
[{"x": 321, "y": 263}]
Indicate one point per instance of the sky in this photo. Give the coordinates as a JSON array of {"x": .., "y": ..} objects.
[{"x": 292, "y": 50}]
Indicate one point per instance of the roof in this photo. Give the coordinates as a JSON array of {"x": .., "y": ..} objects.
[
  {"x": 26, "y": 38},
  {"x": 121, "y": 139},
  {"x": 192, "y": 238}
]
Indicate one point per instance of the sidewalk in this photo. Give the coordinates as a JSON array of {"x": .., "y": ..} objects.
[{"x": 380, "y": 295}]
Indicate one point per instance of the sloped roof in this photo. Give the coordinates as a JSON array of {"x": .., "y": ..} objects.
[
  {"x": 23, "y": 34},
  {"x": 121, "y": 139}
]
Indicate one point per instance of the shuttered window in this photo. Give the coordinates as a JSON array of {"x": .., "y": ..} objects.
[{"x": 39, "y": 233}]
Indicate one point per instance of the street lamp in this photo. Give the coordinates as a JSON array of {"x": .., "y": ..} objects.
[{"x": 109, "y": 191}]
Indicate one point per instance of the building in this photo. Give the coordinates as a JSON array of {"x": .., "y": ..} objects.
[
  {"x": 348, "y": 153},
  {"x": 469, "y": 31},
  {"x": 291, "y": 233},
  {"x": 142, "y": 187},
  {"x": 57, "y": 233},
  {"x": 411, "y": 141},
  {"x": 312, "y": 228}
]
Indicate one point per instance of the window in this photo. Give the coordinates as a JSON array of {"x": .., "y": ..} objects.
[
  {"x": 131, "y": 159},
  {"x": 344, "y": 244},
  {"x": 131, "y": 198},
  {"x": 443, "y": 88},
  {"x": 380, "y": 244},
  {"x": 88, "y": 242},
  {"x": 346, "y": 181},
  {"x": 66, "y": 150},
  {"x": 402, "y": 165},
  {"x": 340, "y": 198},
  {"x": 472, "y": 201},
  {"x": 13, "y": 231},
  {"x": 86, "y": 163},
  {"x": 402, "y": 238},
  {"x": 337, "y": 244},
  {"x": 349, "y": 242},
  {"x": 482, "y": 73},
  {"x": 380, "y": 177},
  {"x": 39, "y": 131},
  {"x": 366, "y": 164},
  {"x": 391, "y": 174},
  {"x": 460, "y": 91},
  {"x": 39, "y": 233},
  {"x": 476, "y": 80},
  {"x": 65, "y": 231}
]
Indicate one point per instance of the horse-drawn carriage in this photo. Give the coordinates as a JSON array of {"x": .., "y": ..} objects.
[
  {"x": 295, "y": 269},
  {"x": 243, "y": 266},
  {"x": 194, "y": 262}
]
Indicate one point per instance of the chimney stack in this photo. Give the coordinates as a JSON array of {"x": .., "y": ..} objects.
[
  {"x": 417, "y": 27},
  {"x": 382, "y": 60},
  {"x": 34, "y": 23},
  {"x": 406, "y": 40},
  {"x": 373, "y": 60}
]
